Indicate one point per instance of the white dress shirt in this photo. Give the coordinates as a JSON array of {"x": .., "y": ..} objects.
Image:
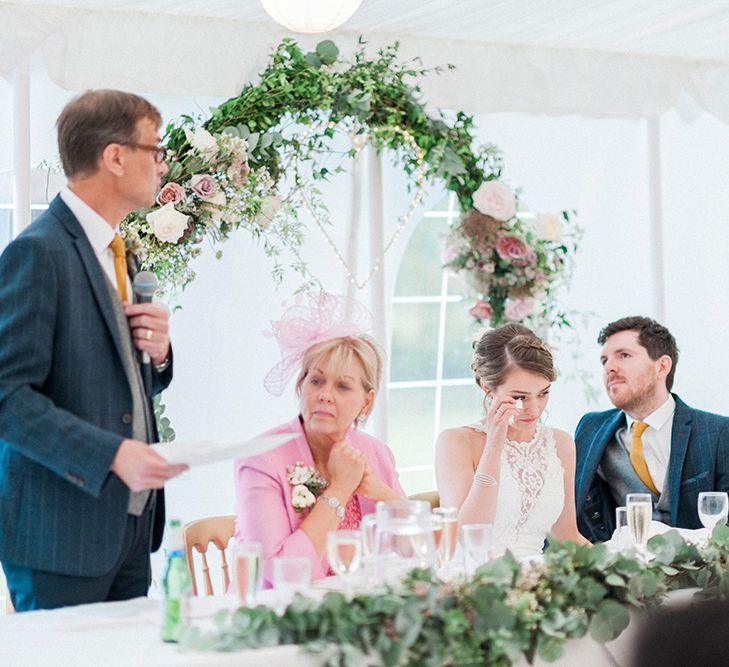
[
  {"x": 98, "y": 231},
  {"x": 656, "y": 440}
]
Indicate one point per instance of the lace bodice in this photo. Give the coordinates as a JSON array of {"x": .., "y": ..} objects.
[{"x": 530, "y": 493}]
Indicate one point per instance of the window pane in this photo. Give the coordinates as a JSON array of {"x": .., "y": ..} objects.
[
  {"x": 457, "y": 286},
  {"x": 417, "y": 481},
  {"x": 420, "y": 268},
  {"x": 442, "y": 205},
  {"x": 460, "y": 406},
  {"x": 457, "y": 346},
  {"x": 6, "y": 226},
  {"x": 414, "y": 341},
  {"x": 410, "y": 425}
]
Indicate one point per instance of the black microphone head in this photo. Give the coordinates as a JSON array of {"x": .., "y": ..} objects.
[{"x": 145, "y": 285}]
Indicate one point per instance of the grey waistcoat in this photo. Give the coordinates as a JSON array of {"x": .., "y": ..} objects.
[
  {"x": 617, "y": 470},
  {"x": 141, "y": 417}
]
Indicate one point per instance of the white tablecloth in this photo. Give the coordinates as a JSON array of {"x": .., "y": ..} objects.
[{"x": 123, "y": 634}]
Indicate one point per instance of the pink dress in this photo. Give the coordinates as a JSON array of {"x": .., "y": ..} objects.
[{"x": 264, "y": 509}]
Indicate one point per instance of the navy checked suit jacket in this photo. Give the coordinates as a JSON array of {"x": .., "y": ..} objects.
[
  {"x": 65, "y": 404},
  {"x": 699, "y": 461}
]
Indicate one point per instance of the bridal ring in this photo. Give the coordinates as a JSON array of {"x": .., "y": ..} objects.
[
  {"x": 498, "y": 412},
  {"x": 149, "y": 334}
]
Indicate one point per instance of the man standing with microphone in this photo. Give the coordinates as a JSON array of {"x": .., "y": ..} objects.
[{"x": 81, "y": 500}]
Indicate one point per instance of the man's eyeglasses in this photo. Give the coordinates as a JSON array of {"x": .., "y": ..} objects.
[{"x": 160, "y": 152}]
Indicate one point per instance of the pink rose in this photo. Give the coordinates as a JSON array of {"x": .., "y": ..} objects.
[
  {"x": 450, "y": 251},
  {"x": 495, "y": 199},
  {"x": 517, "y": 309},
  {"x": 511, "y": 247},
  {"x": 238, "y": 172},
  {"x": 171, "y": 193},
  {"x": 481, "y": 310},
  {"x": 203, "y": 185}
]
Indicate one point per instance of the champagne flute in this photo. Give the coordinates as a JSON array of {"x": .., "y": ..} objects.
[
  {"x": 344, "y": 550},
  {"x": 713, "y": 508},
  {"x": 640, "y": 513},
  {"x": 248, "y": 571},
  {"x": 449, "y": 533}
]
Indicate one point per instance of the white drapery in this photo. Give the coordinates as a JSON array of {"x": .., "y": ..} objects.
[{"x": 185, "y": 55}]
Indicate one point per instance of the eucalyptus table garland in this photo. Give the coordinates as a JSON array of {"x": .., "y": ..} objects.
[
  {"x": 260, "y": 157},
  {"x": 500, "y": 615}
]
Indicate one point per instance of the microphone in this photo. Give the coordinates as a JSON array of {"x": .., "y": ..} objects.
[{"x": 144, "y": 286}]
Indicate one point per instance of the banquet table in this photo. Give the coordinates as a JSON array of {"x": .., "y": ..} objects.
[{"x": 127, "y": 633}]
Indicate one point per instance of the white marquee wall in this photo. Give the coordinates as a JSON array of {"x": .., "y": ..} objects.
[{"x": 598, "y": 166}]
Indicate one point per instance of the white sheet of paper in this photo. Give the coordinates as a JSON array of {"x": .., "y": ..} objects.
[{"x": 204, "y": 451}]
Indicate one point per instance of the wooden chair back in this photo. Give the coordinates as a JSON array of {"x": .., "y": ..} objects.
[
  {"x": 198, "y": 535},
  {"x": 433, "y": 497}
]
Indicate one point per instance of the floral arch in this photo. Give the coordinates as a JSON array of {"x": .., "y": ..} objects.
[{"x": 258, "y": 160}]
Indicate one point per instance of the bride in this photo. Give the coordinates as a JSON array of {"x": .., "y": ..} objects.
[{"x": 509, "y": 470}]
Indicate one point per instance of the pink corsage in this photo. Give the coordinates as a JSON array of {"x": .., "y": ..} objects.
[{"x": 307, "y": 485}]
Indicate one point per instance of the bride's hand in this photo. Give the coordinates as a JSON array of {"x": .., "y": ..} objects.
[{"x": 498, "y": 419}]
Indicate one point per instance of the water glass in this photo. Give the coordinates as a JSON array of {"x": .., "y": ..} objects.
[
  {"x": 476, "y": 539},
  {"x": 713, "y": 508},
  {"x": 368, "y": 528},
  {"x": 640, "y": 513},
  {"x": 622, "y": 538},
  {"x": 291, "y": 575},
  {"x": 344, "y": 551},
  {"x": 248, "y": 571}
]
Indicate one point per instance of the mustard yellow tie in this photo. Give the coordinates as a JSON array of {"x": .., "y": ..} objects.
[
  {"x": 638, "y": 459},
  {"x": 120, "y": 265}
]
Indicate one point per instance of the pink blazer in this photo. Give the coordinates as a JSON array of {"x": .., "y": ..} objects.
[{"x": 263, "y": 496}]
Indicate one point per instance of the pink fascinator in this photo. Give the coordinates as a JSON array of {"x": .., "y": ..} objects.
[{"x": 323, "y": 317}]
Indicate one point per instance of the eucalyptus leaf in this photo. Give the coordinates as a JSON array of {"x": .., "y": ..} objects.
[
  {"x": 610, "y": 619},
  {"x": 327, "y": 51}
]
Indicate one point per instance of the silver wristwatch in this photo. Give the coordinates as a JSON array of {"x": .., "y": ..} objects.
[{"x": 334, "y": 503}]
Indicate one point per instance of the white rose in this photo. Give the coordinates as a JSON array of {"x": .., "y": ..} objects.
[
  {"x": 201, "y": 140},
  {"x": 549, "y": 227},
  {"x": 300, "y": 475},
  {"x": 218, "y": 202},
  {"x": 269, "y": 208},
  {"x": 167, "y": 223},
  {"x": 301, "y": 497},
  {"x": 495, "y": 199}
]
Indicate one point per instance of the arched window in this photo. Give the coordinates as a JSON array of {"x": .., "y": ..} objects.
[{"x": 431, "y": 387}]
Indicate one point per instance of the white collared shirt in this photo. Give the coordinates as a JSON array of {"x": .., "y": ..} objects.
[
  {"x": 656, "y": 440},
  {"x": 98, "y": 231}
]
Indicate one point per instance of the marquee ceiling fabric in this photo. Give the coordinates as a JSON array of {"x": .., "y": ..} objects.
[{"x": 616, "y": 58}]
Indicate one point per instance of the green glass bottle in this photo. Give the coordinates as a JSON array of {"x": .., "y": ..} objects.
[{"x": 177, "y": 584}]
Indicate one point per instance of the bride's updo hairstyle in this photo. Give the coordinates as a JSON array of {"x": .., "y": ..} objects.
[{"x": 506, "y": 347}]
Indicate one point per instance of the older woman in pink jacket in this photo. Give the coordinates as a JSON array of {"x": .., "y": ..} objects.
[{"x": 330, "y": 474}]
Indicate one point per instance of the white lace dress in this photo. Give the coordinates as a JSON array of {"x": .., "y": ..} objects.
[{"x": 530, "y": 493}]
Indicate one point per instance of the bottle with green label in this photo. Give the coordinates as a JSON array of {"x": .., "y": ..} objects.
[{"x": 177, "y": 584}]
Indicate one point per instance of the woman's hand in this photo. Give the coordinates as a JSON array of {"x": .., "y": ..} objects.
[
  {"x": 373, "y": 487},
  {"x": 498, "y": 420},
  {"x": 346, "y": 468}
]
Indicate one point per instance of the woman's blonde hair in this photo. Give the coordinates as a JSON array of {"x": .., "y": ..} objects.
[
  {"x": 337, "y": 353},
  {"x": 506, "y": 347}
]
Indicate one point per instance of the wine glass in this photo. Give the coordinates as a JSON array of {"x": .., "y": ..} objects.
[
  {"x": 446, "y": 545},
  {"x": 344, "y": 550},
  {"x": 640, "y": 513},
  {"x": 713, "y": 508}
]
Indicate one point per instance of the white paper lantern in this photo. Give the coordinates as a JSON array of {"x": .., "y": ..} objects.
[{"x": 310, "y": 15}]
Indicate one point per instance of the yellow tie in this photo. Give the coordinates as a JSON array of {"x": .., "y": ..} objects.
[
  {"x": 637, "y": 458},
  {"x": 120, "y": 265}
]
